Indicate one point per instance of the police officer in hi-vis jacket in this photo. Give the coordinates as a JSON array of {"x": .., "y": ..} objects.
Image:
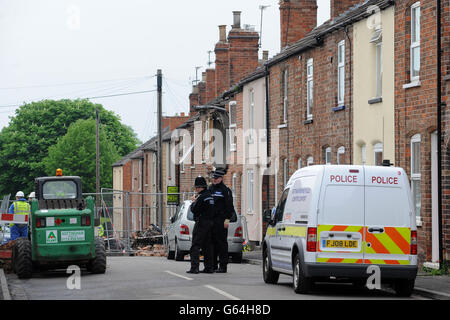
[
  {"x": 223, "y": 199},
  {"x": 203, "y": 210}
]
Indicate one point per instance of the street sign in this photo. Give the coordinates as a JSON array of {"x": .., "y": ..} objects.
[{"x": 173, "y": 196}]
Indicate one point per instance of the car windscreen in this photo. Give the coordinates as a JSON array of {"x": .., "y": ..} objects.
[{"x": 52, "y": 190}]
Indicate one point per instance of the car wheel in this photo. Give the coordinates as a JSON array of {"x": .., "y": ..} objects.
[
  {"x": 170, "y": 254},
  {"x": 404, "y": 287},
  {"x": 236, "y": 257},
  {"x": 179, "y": 255},
  {"x": 302, "y": 284},
  {"x": 269, "y": 275}
]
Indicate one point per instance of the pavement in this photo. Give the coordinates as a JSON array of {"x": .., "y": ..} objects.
[{"x": 426, "y": 285}]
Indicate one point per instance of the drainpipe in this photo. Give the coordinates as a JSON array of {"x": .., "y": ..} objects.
[
  {"x": 439, "y": 130},
  {"x": 350, "y": 128},
  {"x": 268, "y": 130}
]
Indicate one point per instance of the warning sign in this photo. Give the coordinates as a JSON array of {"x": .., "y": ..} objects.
[{"x": 51, "y": 236}]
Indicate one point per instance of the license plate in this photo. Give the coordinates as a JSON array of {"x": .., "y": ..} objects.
[
  {"x": 72, "y": 235},
  {"x": 341, "y": 244}
]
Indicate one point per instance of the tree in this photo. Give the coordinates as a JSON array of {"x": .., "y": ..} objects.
[
  {"x": 37, "y": 126},
  {"x": 75, "y": 155}
]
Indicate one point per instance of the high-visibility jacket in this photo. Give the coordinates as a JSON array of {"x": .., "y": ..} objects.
[{"x": 20, "y": 207}]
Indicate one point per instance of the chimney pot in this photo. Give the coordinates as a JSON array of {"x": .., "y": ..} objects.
[
  {"x": 265, "y": 55},
  {"x": 204, "y": 76},
  {"x": 236, "y": 19},
  {"x": 182, "y": 114},
  {"x": 222, "y": 33}
]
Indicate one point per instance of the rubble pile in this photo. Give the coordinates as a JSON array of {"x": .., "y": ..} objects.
[{"x": 156, "y": 250}]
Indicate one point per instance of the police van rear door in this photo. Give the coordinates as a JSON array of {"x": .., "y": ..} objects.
[
  {"x": 387, "y": 216},
  {"x": 341, "y": 216}
]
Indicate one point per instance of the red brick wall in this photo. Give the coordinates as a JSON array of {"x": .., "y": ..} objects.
[
  {"x": 329, "y": 128},
  {"x": 297, "y": 18},
  {"x": 243, "y": 53},
  {"x": 339, "y": 6},
  {"x": 210, "y": 84},
  {"x": 415, "y": 108}
]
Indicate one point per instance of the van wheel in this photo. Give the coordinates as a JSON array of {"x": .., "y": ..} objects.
[
  {"x": 269, "y": 275},
  {"x": 302, "y": 284},
  {"x": 404, "y": 287},
  {"x": 179, "y": 255}
]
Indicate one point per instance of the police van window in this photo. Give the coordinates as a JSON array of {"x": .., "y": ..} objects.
[
  {"x": 59, "y": 190},
  {"x": 343, "y": 205},
  {"x": 299, "y": 201},
  {"x": 281, "y": 206}
]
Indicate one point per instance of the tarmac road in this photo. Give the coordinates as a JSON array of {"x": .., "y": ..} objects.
[{"x": 156, "y": 278}]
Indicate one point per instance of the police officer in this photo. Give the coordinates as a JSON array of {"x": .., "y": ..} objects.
[
  {"x": 223, "y": 199},
  {"x": 20, "y": 206},
  {"x": 203, "y": 210}
]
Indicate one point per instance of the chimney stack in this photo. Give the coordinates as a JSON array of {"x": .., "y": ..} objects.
[
  {"x": 236, "y": 19},
  {"x": 297, "y": 18},
  {"x": 223, "y": 33},
  {"x": 338, "y": 7}
]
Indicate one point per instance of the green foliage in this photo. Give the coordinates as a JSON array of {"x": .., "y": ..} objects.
[
  {"x": 75, "y": 155},
  {"x": 38, "y": 126}
]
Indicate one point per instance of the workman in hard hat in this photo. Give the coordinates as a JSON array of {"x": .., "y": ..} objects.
[
  {"x": 31, "y": 196},
  {"x": 20, "y": 206},
  {"x": 203, "y": 209}
]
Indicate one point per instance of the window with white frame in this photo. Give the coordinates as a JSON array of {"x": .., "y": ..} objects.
[
  {"x": 232, "y": 127},
  {"x": 299, "y": 163},
  {"x": 285, "y": 172},
  {"x": 416, "y": 174},
  {"x": 309, "y": 161},
  {"x": 341, "y": 155},
  {"x": 183, "y": 152},
  {"x": 207, "y": 139},
  {"x": 250, "y": 183},
  {"x": 378, "y": 154},
  {"x": 328, "y": 155},
  {"x": 251, "y": 116},
  {"x": 377, "y": 40},
  {"x": 363, "y": 154},
  {"x": 310, "y": 88},
  {"x": 341, "y": 72},
  {"x": 233, "y": 188},
  {"x": 285, "y": 95},
  {"x": 415, "y": 41}
]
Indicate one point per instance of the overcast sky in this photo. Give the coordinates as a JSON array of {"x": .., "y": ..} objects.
[{"x": 88, "y": 48}]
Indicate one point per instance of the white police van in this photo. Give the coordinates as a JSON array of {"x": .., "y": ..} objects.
[{"x": 333, "y": 222}]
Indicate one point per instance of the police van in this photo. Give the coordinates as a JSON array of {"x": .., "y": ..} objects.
[{"x": 334, "y": 222}]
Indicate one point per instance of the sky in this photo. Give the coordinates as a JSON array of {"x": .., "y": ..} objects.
[{"x": 55, "y": 49}]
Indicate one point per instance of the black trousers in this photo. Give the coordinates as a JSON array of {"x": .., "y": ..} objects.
[
  {"x": 220, "y": 240},
  {"x": 202, "y": 239}
]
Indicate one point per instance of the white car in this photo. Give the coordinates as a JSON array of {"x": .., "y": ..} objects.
[
  {"x": 178, "y": 237},
  {"x": 334, "y": 222}
]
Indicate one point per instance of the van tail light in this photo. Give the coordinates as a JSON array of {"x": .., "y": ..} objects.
[
  {"x": 86, "y": 220},
  {"x": 238, "y": 232},
  {"x": 184, "y": 229},
  {"x": 311, "y": 240},
  {"x": 40, "y": 223},
  {"x": 413, "y": 242}
]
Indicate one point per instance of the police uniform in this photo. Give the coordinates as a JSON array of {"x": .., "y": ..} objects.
[
  {"x": 223, "y": 199},
  {"x": 203, "y": 210}
]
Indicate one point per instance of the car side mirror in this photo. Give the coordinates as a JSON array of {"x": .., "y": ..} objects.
[
  {"x": 172, "y": 219},
  {"x": 267, "y": 215}
]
